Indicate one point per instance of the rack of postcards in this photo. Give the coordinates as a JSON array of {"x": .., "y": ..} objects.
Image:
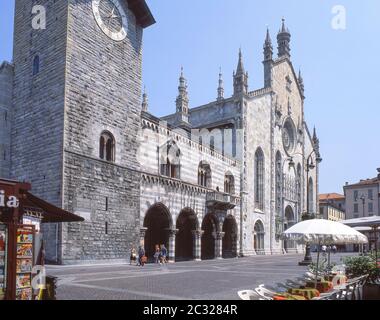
[
  {"x": 24, "y": 262},
  {"x": 3, "y": 260}
]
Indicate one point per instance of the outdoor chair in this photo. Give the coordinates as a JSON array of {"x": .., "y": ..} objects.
[
  {"x": 283, "y": 286},
  {"x": 249, "y": 295},
  {"x": 312, "y": 276},
  {"x": 264, "y": 293},
  {"x": 295, "y": 284},
  {"x": 277, "y": 289}
]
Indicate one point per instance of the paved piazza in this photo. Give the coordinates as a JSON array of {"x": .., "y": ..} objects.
[{"x": 206, "y": 280}]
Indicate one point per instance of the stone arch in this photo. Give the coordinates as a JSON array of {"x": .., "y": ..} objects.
[
  {"x": 258, "y": 237},
  {"x": 186, "y": 224},
  {"x": 158, "y": 222},
  {"x": 229, "y": 243},
  {"x": 209, "y": 227}
]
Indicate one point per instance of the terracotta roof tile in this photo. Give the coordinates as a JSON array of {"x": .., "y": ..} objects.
[{"x": 331, "y": 196}]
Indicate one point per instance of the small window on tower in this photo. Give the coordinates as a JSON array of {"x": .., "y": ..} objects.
[
  {"x": 36, "y": 65},
  {"x": 107, "y": 147}
]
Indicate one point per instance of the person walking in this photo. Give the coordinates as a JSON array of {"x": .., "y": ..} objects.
[
  {"x": 164, "y": 253},
  {"x": 142, "y": 257},
  {"x": 157, "y": 254},
  {"x": 133, "y": 256}
]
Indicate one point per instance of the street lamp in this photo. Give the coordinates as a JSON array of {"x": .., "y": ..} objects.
[
  {"x": 309, "y": 166},
  {"x": 362, "y": 198}
]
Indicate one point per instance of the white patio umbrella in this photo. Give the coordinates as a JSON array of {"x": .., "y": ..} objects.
[{"x": 319, "y": 231}]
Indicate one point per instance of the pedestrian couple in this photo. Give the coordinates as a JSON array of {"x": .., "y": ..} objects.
[
  {"x": 138, "y": 257},
  {"x": 160, "y": 254}
]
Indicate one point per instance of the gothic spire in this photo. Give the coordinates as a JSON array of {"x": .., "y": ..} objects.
[
  {"x": 182, "y": 101},
  {"x": 145, "y": 103},
  {"x": 315, "y": 138},
  {"x": 268, "y": 60},
  {"x": 240, "y": 67},
  {"x": 268, "y": 48},
  {"x": 221, "y": 86},
  {"x": 283, "y": 40},
  {"x": 301, "y": 84},
  {"x": 316, "y": 145},
  {"x": 240, "y": 77}
]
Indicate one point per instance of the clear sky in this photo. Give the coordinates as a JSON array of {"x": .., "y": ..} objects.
[{"x": 340, "y": 67}]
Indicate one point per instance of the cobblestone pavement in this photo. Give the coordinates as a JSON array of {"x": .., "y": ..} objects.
[{"x": 208, "y": 280}]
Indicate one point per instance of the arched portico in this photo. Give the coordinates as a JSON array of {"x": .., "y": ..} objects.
[
  {"x": 230, "y": 237},
  {"x": 157, "y": 223},
  {"x": 210, "y": 230},
  {"x": 185, "y": 243}
]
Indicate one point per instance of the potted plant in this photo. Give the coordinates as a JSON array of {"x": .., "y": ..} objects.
[{"x": 362, "y": 265}]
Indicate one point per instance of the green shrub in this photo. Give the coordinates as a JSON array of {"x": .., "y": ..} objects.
[{"x": 360, "y": 266}]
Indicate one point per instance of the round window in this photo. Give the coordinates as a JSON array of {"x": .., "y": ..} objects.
[{"x": 288, "y": 136}]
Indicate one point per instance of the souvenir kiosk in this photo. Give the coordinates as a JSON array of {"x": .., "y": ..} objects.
[{"x": 21, "y": 214}]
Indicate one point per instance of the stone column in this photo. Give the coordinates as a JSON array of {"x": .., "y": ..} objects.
[
  {"x": 218, "y": 236},
  {"x": 142, "y": 236},
  {"x": 171, "y": 249},
  {"x": 197, "y": 236}
]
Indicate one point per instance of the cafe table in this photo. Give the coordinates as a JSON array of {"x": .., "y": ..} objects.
[{"x": 307, "y": 293}]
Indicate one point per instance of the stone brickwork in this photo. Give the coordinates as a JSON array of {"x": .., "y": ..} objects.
[
  {"x": 103, "y": 86},
  {"x": 6, "y": 89},
  {"x": 38, "y": 105}
]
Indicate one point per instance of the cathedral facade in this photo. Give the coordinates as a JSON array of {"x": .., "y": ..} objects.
[{"x": 220, "y": 180}]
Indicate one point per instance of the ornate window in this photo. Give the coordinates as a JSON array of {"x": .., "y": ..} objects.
[
  {"x": 204, "y": 175},
  {"x": 36, "y": 65},
  {"x": 278, "y": 182},
  {"x": 289, "y": 136},
  {"x": 171, "y": 160},
  {"x": 107, "y": 147},
  {"x": 259, "y": 179},
  {"x": 229, "y": 183}
]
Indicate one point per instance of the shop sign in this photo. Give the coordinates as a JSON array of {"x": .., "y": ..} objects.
[{"x": 10, "y": 202}]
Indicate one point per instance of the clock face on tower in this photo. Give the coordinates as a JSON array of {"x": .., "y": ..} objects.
[{"x": 111, "y": 18}]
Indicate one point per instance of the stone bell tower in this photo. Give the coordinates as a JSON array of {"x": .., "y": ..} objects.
[{"x": 75, "y": 83}]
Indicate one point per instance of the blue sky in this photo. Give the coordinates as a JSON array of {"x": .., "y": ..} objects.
[{"x": 340, "y": 68}]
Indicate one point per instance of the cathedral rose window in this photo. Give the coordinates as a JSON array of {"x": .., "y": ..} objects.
[{"x": 288, "y": 136}]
